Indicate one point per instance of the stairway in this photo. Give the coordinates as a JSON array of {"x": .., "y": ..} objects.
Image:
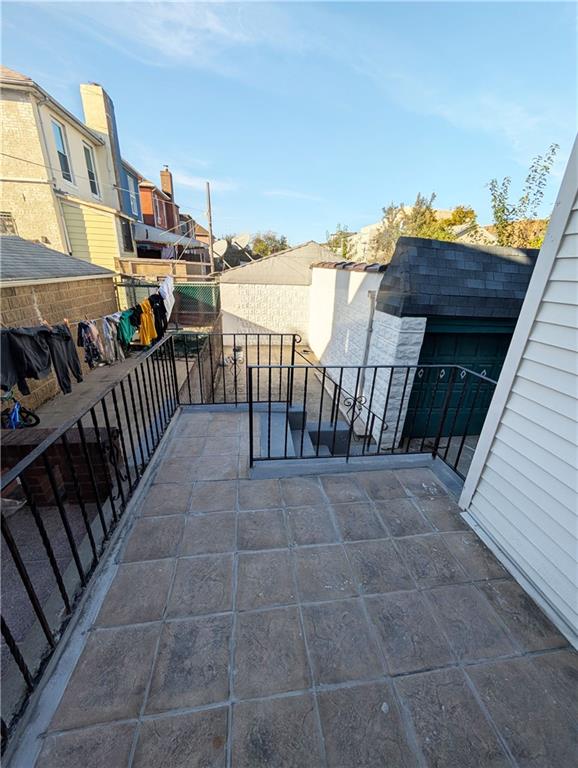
[{"x": 289, "y": 434}]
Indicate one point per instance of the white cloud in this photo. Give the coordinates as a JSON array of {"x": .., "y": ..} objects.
[
  {"x": 198, "y": 182},
  {"x": 291, "y": 194},
  {"x": 198, "y": 35}
]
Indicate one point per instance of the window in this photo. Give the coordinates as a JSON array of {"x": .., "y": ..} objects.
[
  {"x": 7, "y": 224},
  {"x": 158, "y": 216},
  {"x": 91, "y": 169},
  {"x": 62, "y": 150},
  {"x": 133, "y": 194},
  {"x": 126, "y": 230}
]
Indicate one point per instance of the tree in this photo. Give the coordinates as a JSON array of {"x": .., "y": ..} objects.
[
  {"x": 340, "y": 242},
  {"x": 266, "y": 243},
  {"x": 516, "y": 224},
  {"x": 419, "y": 220}
]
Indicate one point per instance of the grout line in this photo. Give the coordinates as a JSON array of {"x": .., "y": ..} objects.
[
  {"x": 317, "y": 688},
  {"x": 307, "y": 650},
  {"x": 233, "y": 640}
]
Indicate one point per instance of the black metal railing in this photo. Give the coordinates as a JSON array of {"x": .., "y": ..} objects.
[
  {"x": 217, "y": 366},
  {"x": 345, "y": 411},
  {"x": 67, "y": 496}
]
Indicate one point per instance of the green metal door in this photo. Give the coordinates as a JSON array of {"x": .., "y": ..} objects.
[{"x": 478, "y": 345}]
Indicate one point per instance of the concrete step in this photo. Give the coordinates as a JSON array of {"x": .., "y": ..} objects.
[
  {"x": 308, "y": 448},
  {"x": 278, "y": 422}
]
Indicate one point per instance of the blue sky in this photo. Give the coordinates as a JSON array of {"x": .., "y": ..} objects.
[{"x": 303, "y": 115}]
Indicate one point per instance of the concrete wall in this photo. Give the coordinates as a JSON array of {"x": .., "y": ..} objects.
[
  {"x": 26, "y": 305},
  {"x": 249, "y": 308}
]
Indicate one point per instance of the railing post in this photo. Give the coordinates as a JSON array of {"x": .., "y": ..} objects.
[
  {"x": 446, "y": 405},
  {"x": 174, "y": 366},
  {"x": 250, "y": 393},
  {"x": 290, "y": 383}
]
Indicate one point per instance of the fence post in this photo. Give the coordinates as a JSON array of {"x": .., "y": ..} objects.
[
  {"x": 447, "y": 400},
  {"x": 250, "y": 394}
]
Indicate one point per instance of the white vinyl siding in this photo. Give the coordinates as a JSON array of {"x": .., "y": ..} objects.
[{"x": 524, "y": 496}]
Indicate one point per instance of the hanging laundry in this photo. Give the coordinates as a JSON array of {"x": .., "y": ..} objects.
[
  {"x": 126, "y": 329},
  {"x": 160, "y": 314},
  {"x": 112, "y": 347},
  {"x": 168, "y": 252},
  {"x": 31, "y": 353},
  {"x": 63, "y": 355},
  {"x": 25, "y": 355},
  {"x": 166, "y": 290},
  {"x": 135, "y": 315},
  {"x": 85, "y": 339},
  {"x": 147, "y": 330}
]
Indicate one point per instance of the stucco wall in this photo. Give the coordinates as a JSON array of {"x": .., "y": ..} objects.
[{"x": 250, "y": 308}]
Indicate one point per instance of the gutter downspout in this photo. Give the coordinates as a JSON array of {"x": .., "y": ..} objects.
[{"x": 372, "y": 296}]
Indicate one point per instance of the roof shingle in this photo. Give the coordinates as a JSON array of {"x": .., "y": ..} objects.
[{"x": 24, "y": 260}]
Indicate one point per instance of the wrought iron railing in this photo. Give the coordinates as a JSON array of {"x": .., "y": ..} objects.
[
  {"x": 69, "y": 493},
  {"x": 217, "y": 365},
  {"x": 345, "y": 411}
]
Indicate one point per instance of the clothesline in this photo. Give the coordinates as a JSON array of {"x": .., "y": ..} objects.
[{"x": 34, "y": 352}]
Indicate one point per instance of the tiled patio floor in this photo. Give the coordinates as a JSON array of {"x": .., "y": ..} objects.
[{"x": 344, "y": 620}]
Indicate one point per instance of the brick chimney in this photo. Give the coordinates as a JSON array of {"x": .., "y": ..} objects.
[{"x": 167, "y": 181}]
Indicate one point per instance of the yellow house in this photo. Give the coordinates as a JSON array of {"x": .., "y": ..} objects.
[{"x": 62, "y": 181}]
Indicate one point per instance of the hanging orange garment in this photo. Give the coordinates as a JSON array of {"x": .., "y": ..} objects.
[{"x": 147, "y": 331}]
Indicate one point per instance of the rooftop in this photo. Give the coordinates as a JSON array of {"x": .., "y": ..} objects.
[
  {"x": 288, "y": 267},
  {"x": 320, "y": 620},
  {"x": 25, "y": 261}
]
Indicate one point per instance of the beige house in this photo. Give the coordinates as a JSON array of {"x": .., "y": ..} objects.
[{"x": 61, "y": 179}]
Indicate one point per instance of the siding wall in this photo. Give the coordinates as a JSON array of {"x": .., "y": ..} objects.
[
  {"x": 525, "y": 498},
  {"x": 92, "y": 234}
]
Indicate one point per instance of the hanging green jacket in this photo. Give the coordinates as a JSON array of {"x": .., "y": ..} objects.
[{"x": 125, "y": 328}]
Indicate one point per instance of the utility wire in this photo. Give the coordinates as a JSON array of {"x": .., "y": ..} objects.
[{"x": 87, "y": 178}]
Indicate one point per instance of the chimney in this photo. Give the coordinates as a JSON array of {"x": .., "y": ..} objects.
[{"x": 167, "y": 181}]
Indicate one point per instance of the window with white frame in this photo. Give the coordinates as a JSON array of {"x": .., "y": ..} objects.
[
  {"x": 133, "y": 193},
  {"x": 62, "y": 150},
  {"x": 158, "y": 216},
  {"x": 91, "y": 169}
]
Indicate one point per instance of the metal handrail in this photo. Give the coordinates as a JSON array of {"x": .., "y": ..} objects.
[
  {"x": 383, "y": 366},
  {"x": 9, "y": 476}
]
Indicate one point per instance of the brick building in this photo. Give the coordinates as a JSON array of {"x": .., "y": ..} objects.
[{"x": 38, "y": 283}]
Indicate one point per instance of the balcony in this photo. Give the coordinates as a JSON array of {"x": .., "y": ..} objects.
[{"x": 306, "y": 611}]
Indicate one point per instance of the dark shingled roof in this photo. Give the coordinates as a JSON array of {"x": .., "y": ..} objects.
[
  {"x": 434, "y": 277},
  {"x": 24, "y": 260}
]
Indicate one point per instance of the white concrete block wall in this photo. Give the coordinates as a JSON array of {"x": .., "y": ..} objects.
[
  {"x": 339, "y": 314},
  {"x": 394, "y": 341},
  {"x": 249, "y": 308}
]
